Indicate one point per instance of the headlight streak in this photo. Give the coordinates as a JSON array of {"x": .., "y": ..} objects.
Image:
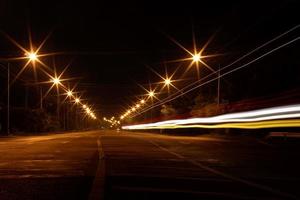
[
  {"x": 197, "y": 85},
  {"x": 262, "y": 118},
  {"x": 248, "y": 125}
]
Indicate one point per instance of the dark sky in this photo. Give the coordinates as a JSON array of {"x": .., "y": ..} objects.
[{"x": 111, "y": 43}]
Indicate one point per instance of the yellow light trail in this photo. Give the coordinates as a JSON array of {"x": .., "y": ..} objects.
[
  {"x": 283, "y": 116},
  {"x": 244, "y": 125}
]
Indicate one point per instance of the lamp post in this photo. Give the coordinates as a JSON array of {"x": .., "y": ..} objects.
[
  {"x": 32, "y": 57},
  {"x": 56, "y": 81},
  {"x": 8, "y": 99},
  {"x": 68, "y": 110},
  {"x": 151, "y": 94},
  {"x": 77, "y": 101},
  {"x": 218, "y": 92}
]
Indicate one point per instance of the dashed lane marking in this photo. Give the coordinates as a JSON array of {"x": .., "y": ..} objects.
[{"x": 228, "y": 176}]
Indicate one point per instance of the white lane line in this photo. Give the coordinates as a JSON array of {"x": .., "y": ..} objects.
[
  {"x": 97, "y": 191},
  {"x": 228, "y": 176},
  {"x": 165, "y": 190},
  {"x": 22, "y": 176}
]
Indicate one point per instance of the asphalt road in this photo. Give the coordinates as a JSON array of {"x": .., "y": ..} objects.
[{"x": 146, "y": 166}]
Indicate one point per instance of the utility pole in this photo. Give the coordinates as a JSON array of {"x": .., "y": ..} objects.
[
  {"x": 67, "y": 116},
  {"x": 64, "y": 112},
  {"x": 8, "y": 100},
  {"x": 219, "y": 86},
  {"x": 58, "y": 107},
  {"x": 41, "y": 98},
  {"x": 26, "y": 96}
]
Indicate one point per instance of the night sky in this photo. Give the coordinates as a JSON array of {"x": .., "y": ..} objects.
[{"x": 112, "y": 44}]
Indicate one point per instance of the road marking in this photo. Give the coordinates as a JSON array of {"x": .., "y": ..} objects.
[
  {"x": 97, "y": 191},
  {"x": 39, "y": 173},
  {"x": 174, "y": 137},
  {"x": 264, "y": 143},
  {"x": 228, "y": 176},
  {"x": 133, "y": 175},
  {"x": 164, "y": 190}
]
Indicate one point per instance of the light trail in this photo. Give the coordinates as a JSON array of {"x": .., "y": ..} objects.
[
  {"x": 224, "y": 74},
  {"x": 283, "y": 116},
  {"x": 196, "y": 84},
  {"x": 248, "y": 125}
]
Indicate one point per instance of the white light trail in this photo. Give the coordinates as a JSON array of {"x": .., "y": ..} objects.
[
  {"x": 196, "y": 84},
  {"x": 266, "y": 116}
]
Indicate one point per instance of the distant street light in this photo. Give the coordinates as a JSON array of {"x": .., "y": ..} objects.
[
  {"x": 142, "y": 101},
  {"x": 151, "y": 94},
  {"x": 56, "y": 81},
  {"x": 70, "y": 93},
  {"x": 167, "y": 81},
  {"x": 32, "y": 56},
  {"x": 196, "y": 58}
]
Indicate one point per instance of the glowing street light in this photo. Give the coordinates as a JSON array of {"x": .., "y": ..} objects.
[
  {"x": 77, "y": 100},
  {"x": 142, "y": 101},
  {"x": 133, "y": 109},
  {"x": 70, "y": 93},
  {"x": 138, "y": 105},
  {"x": 93, "y": 116},
  {"x": 196, "y": 58},
  {"x": 167, "y": 81},
  {"x": 151, "y": 94},
  {"x": 32, "y": 56},
  {"x": 56, "y": 81},
  {"x": 84, "y": 106}
]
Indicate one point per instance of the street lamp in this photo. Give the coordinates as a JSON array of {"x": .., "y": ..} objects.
[
  {"x": 167, "y": 81},
  {"x": 70, "y": 93},
  {"x": 196, "y": 57},
  {"x": 56, "y": 81},
  {"x": 32, "y": 56},
  {"x": 77, "y": 100},
  {"x": 151, "y": 94}
]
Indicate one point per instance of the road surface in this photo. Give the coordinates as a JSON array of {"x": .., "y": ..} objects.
[{"x": 146, "y": 166}]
